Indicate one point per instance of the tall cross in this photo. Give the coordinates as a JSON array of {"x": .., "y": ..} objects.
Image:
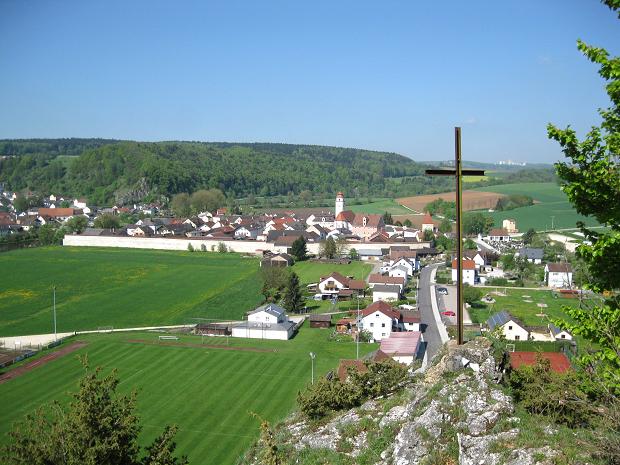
[{"x": 458, "y": 173}]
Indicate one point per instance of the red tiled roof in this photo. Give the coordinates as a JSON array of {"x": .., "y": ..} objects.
[
  {"x": 498, "y": 232},
  {"x": 410, "y": 316},
  {"x": 56, "y": 212},
  {"x": 380, "y": 279},
  {"x": 559, "y": 361},
  {"x": 383, "y": 307},
  {"x": 405, "y": 343},
  {"x": 346, "y": 215},
  {"x": 560, "y": 267},
  {"x": 468, "y": 264},
  {"x": 428, "y": 219}
]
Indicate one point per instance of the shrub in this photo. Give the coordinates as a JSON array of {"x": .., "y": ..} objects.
[
  {"x": 190, "y": 248},
  {"x": 221, "y": 247}
]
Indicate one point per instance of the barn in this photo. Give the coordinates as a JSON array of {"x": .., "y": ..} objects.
[{"x": 320, "y": 321}]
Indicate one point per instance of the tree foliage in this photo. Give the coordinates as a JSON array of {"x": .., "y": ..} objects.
[
  {"x": 99, "y": 428},
  {"x": 591, "y": 180},
  {"x": 327, "y": 248},
  {"x": 107, "y": 221},
  {"x": 293, "y": 300},
  {"x": 76, "y": 224},
  {"x": 476, "y": 223},
  {"x": 275, "y": 279},
  {"x": 299, "y": 248}
]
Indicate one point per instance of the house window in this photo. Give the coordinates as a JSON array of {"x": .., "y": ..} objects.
[
  {"x": 383, "y": 334},
  {"x": 377, "y": 315},
  {"x": 517, "y": 338},
  {"x": 563, "y": 336},
  {"x": 509, "y": 327},
  {"x": 372, "y": 325},
  {"x": 383, "y": 325}
]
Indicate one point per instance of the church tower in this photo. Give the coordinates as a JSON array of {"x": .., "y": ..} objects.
[{"x": 339, "y": 203}]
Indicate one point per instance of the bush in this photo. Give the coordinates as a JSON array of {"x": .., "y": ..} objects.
[
  {"x": 471, "y": 294},
  {"x": 190, "y": 248},
  {"x": 203, "y": 247},
  {"x": 221, "y": 247},
  {"x": 497, "y": 282}
]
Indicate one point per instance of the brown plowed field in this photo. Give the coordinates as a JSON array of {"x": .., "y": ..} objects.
[{"x": 472, "y": 200}]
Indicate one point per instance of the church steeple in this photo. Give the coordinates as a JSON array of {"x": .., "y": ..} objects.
[{"x": 339, "y": 203}]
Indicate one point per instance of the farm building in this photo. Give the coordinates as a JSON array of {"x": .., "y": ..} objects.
[
  {"x": 558, "y": 275},
  {"x": 280, "y": 259},
  {"x": 320, "y": 321},
  {"x": 266, "y": 322},
  {"x": 511, "y": 328},
  {"x": 370, "y": 254}
]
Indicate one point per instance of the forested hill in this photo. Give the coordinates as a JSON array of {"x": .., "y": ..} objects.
[{"x": 105, "y": 170}]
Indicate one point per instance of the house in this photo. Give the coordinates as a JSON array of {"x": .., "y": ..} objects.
[
  {"x": 410, "y": 318},
  {"x": 385, "y": 292},
  {"x": 560, "y": 334},
  {"x": 498, "y": 235},
  {"x": 377, "y": 278},
  {"x": 320, "y": 320},
  {"x": 428, "y": 224},
  {"x": 402, "y": 347},
  {"x": 398, "y": 271},
  {"x": 370, "y": 254},
  {"x": 558, "y": 275},
  {"x": 266, "y": 322},
  {"x": 479, "y": 257},
  {"x": 379, "y": 319},
  {"x": 280, "y": 259},
  {"x": 558, "y": 361},
  {"x": 411, "y": 264},
  {"x": 511, "y": 328},
  {"x": 336, "y": 284},
  {"x": 510, "y": 225},
  {"x": 532, "y": 255},
  {"x": 470, "y": 274}
]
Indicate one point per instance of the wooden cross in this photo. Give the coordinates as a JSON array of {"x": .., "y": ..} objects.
[{"x": 458, "y": 173}]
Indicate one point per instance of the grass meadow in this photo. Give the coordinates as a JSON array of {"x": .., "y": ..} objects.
[
  {"x": 208, "y": 392},
  {"x": 551, "y": 202},
  {"x": 380, "y": 207},
  {"x": 310, "y": 272},
  {"x": 121, "y": 287}
]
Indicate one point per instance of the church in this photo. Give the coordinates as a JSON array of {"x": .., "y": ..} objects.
[{"x": 361, "y": 224}]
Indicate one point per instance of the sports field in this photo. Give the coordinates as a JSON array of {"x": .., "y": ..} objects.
[
  {"x": 208, "y": 392},
  {"x": 552, "y": 210},
  {"x": 311, "y": 272},
  {"x": 121, "y": 288}
]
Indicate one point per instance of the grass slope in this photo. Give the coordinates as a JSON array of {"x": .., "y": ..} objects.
[
  {"x": 552, "y": 202},
  {"x": 380, "y": 207},
  {"x": 121, "y": 288},
  {"x": 207, "y": 392}
]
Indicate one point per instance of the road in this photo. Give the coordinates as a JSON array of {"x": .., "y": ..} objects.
[{"x": 431, "y": 334}]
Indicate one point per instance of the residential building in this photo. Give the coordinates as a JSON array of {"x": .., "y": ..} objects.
[
  {"x": 379, "y": 319},
  {"x": 338, "y": 285},
  {"x": 402, "y": 347},
  {"x": 470, "y": 274},
  {"x": 385, "y": 292},
  {"x": 510, "y": 327},
  {"x": 559, "y": 275},
  {"x": 266, "y": 322},
  {"x": 510, "y": 225},
  {"x": 532, "y": 255}
]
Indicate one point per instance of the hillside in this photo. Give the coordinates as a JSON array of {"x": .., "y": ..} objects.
[{"x": 107, "y": 171}]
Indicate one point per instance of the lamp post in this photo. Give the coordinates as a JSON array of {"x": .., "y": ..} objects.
[
  {"x": 357, "y": 342},
  {"x": 312, "y": 357},
  {"x": 55, "y": 334},
  {"x": 458, "y": 173}
]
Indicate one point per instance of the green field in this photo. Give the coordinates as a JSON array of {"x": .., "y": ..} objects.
[
  {"x": 528, "y": 312},
  {"x": 311, "y": 272},
  {"x": 552, "y": 203},
  {"x": 207, "y": 392},
  {"x": 121, "y": 287},
  {"x": 380, "y": 207}
]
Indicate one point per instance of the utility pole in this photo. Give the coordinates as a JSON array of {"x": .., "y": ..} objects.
[
  {"x": 312, "y": 357},
  {"x": 357, "y": 345},
  {"x": 552, "y": 218},
  {"x": 458, "y": 173},
  {"x": 55, "y": 334}
]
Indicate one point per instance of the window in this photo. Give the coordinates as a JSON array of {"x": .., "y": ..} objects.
[
  {"x": 377, "y": 315},
  {"x": 383, "y": 334},
  {"x": 509, "y": 327},
  {"x": 517, "y": 338},
  {"x": 563, "y": 336},
  {"x": 372, "y": 325},
  {"x": 383, "y": 325}
]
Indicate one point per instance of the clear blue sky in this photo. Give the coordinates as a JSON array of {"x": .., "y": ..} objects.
[{"x": 384, "y": 75}]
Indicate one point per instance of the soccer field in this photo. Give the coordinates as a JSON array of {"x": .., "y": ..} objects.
[
  {"x": 208, "y": 392},
  {"x": 122, "y": 288}
]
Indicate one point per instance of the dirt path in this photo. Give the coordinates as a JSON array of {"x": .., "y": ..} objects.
[
  {"x": 41, "y": 361},
  {"x": 204, "y": 346}
]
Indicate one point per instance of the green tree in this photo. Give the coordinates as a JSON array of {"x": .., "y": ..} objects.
[
  {"x": 274, "y": 282},
  {"x": 591, "y": 180},
  {"x": 98, "y": 427},
  {"x": 299, "y": 248},
  {"x": 353, "y": 255},
  {"x": 428, "y": 235},
  {"x": 107, "y": 221},
  {"x": 471, "y": 294},
  {"x": 293, "y": 301},
  {"x": 77, "y": 224},
  {"x": 387, "y": 218},
  {"x": 445, "y": 226},
  {"x": 476, "y": 223},
  {"x": 46, "y": 234},
  {"x": 180, "y": 204},
  {"x": 469, "y": 244},
  {"x": 528, "y": 236},
  {"x": 407, "y": 223},
  {"x": 221, "y": 247},
  {"x": 207, "y": 200},
  {"x": 327, "y": 248}
]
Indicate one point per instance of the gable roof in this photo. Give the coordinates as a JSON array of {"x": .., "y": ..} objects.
[
  {"x": 501, "y": 318},
  {"x": 346, "y": 215},
  {"x": 559, "y": 361},
  {"x": 404, "y": 343},
  {"x": 344, "y": 365},
  {"x": 386, "y": 288},
  {"x": 383, "y": 307},
  {"x": 410, "y": 316},
  {"x": 468, "y": 264},
  {"x": 559, "y": 267},
  {"x": 372, "y": 220},
  {"x": 380, "y": 279},
  {"x": 534, "y": 254},
  {"x": 498, "y": 232},
  {"x": 272, "y": 309},
  {"x": 355, "y": 284}
]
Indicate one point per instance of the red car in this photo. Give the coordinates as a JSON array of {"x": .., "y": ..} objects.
[{"x": 448, "y": 313}]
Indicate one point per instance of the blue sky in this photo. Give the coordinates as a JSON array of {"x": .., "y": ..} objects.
[{"x": 383, "y": 75}]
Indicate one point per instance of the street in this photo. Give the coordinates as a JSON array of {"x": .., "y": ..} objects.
[{"x": 431, "y": 334}]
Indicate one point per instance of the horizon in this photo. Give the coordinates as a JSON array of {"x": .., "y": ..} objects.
[{"x": 392, "y": 78}]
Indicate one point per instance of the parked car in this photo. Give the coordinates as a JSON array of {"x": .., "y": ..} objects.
[
  {"x": 442, "y": 291},
  {"x": 448, "y": 313}
]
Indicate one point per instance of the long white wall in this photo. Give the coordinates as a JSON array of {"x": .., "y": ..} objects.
[{"x": 161, "y": 243}]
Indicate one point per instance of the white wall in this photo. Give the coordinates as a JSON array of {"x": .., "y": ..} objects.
[
  {"x": 469, "y": 276},
  {"x": 385, "y": 296},
  {"x": 512, "y": 330},
  {"x": 378, "y": 324},
  {"x": 258, "y": 333}
]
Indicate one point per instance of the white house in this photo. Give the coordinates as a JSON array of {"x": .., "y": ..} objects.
[
  {"x": 479, "y": 258},
  {"x": 402, "y": 347},
  {"x": 510, "y": 225},
  {"x": 266, "y": 322},
  {"x": 335, "y": 284},
  {"x": 532, "y": 255},
  {"x": 498, "y": 235},
  {"x": 559, "y": 275},
  {"x": 469, "y": 271},
  {"x": 511, "y": 328},
  {"x": 560, "y": 334},
  {"x": 408, "y": 263},
  {"x": 377, "y": 278},
  {"x": 385, "y": 292},
  {"x": 410, "y": 318},
  {"x": 379, "y": 319},
  {"x": 398, "y": 271}
]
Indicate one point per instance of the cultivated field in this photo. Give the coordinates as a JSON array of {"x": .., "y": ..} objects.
[
  {"x": 472, "y": 200},
  {"x": 121, "y": 288},
  {"x": 550, "y": 202},
  {"x": 311, "y": 272},
  {"x": 208, "y": 392}
]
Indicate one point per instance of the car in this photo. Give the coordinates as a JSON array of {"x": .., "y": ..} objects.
[
  {"x": 442, "y": 291},
  {"x": 448, "y": 313}
]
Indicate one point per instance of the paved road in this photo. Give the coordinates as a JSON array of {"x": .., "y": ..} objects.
[{"x": 431, "y": 334}]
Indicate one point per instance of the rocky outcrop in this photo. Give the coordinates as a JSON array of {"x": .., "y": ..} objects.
[{"x": 455, "y": 413}]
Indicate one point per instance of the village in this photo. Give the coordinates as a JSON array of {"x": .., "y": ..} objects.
[{"x": 407, "y": 301}]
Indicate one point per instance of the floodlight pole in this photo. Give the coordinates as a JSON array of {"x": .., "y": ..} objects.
[
  {"x": 357, "y": 345},
  {"x": 312, "y": 357},
  {"x": 458, "y": 173},
  {"x": 55, "y": 334}
]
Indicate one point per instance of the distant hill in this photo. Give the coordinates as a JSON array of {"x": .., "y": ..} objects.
[{"x": 108, "y": 170}]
